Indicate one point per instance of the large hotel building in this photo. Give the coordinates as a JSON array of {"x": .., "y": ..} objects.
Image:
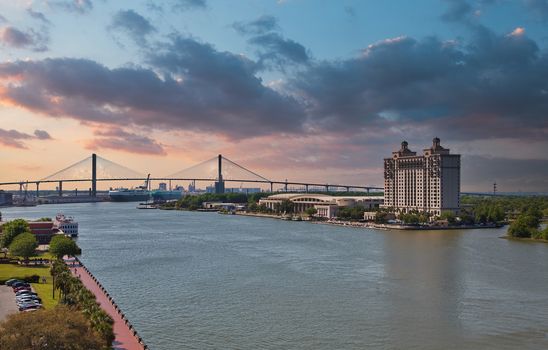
[{"x": 429, "y": 182}]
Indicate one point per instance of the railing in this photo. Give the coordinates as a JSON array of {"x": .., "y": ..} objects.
[{"x": 118, "y": 310}]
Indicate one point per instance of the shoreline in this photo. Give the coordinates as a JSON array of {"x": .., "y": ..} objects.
[
  {"x": 126, "y": 337},
  {"x": 371, "y": 225},
  {"x": 524, "y": 239}
]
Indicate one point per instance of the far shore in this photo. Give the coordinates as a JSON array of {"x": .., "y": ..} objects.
[
  {"x": 370, "y": 224},
  {"x": 524, "y": 239}
]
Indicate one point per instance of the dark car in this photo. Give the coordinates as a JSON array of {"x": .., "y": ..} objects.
[
  {"x": 20, "y": 284},
  {"x": 21, "y": 289},
  {"x": 12, "y": 281}
]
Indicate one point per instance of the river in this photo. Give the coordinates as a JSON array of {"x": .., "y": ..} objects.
[{"x": 190, "y": 280}]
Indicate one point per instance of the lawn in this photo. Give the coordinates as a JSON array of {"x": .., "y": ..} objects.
[{"x": 8, "y": 271}]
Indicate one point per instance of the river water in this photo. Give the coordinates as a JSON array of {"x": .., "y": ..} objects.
[{"x": 190, "y": 280}]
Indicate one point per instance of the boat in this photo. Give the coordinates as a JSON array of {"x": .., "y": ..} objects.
[
  {"x": 66, "y": 224},
  {"x": 136, "y": 194},
  {"x": 162, "y": 194}
]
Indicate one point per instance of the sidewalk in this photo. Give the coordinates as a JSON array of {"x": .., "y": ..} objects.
[{"x": 126, "y": 337}]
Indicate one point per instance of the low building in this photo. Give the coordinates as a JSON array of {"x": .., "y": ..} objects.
[
  {"x": 6, "y": 198},
  {"x": 325, "y": 205},
  {"x": 371, "y": 215},
  {"x": 42, "y": 230}
]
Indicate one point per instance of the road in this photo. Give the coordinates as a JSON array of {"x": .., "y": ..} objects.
[{"x": 7, "y": 302}]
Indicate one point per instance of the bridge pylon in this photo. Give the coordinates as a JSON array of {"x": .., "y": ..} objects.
[
  {"x": 220, "y": 184},
  {"x": 94, "y": 175}
]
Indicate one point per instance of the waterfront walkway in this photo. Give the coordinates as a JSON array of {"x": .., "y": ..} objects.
[{"x": 126, "y": 337}]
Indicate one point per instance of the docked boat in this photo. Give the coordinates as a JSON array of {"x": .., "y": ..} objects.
[
  {"x": 162, "y": 194},
  {"x": 129, "y": 195},
  {"x": 136, "y": 194},
  {"x": 66, "y": 224}
]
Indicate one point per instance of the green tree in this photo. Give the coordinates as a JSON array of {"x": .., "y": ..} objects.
[
  {"x": 520, "y": 229},
  {"x": 12, "y": 229},
  {"x": 53, "y": 329},
  {"x": 311, "y": 211},
  {"x": 61, "y": 245},
  {"x": 285, "y": 206},
  {"x": 381, "y": 217},
  {"x": 24, "y": 245},
  {"x": 450, "y": 217}
]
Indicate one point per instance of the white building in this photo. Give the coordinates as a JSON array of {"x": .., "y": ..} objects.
[
  {"x": 325, "y": 205},
  {"x": 428, "y": 182}
]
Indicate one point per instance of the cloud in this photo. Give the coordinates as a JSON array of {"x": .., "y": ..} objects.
[
  {"x": 479, "y": 173},
  {"x": 120, "y": 140},
  {"x": 75, "y": 6},
  {"x": 39, "y": 16},
  {"x": 404, "y": 82},
  {"x": 16, "y": 139},
  {"x": 133, "y": 24},
  {"x": 42, "y": 135},
  {"x": 261, "y": 25},
  {"x": 3, "y": 19},
  {"x": 192, "y": 86},
  {"x": 184, "y": 5},
  {"x": 272, "y": 47},
  {"x": 538, "y": 7},
  {"x": 278, "y": 49},
  {"x": 457, "y": 11},
  {"x": 13, "y": 37}
]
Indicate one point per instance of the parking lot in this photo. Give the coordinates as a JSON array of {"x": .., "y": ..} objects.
[{"x": 7, "y": 302}]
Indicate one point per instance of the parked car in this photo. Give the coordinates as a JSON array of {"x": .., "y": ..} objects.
[
  {"x": 25, "y": 292},
  {"x": 10, "y": 282},
  {"x": 19, "y": 289},
  {"x": 28, "y": 299},
  {"x": 29, "y": 306},
  {"x": 20, "y": 284},
  {"x": 25, "y": 302}
]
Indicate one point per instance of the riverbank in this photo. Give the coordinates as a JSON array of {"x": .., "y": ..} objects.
[
  {"x": 372, "y": 225},
  {"x": 126, "y": 336},
  {"x": 524, "y": 239}
]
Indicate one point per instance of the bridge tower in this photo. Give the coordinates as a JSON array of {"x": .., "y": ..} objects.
[
  {"x": 220, "y": 184},
  {"x": 93, "y": 175}
]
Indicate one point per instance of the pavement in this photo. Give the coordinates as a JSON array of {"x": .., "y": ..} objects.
[
  {"x": 124, "y": 336},
  {"x": 7, "y": 302}
]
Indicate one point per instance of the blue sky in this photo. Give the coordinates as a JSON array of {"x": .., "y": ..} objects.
[{"x": 314, "y": 90}]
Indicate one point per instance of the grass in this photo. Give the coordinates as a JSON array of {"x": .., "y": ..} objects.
[
  {"x": 8, "y": 271},
  {"x": 44, "y": 291}
]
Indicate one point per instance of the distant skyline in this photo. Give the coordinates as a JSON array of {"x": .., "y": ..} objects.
[{"x": 307, "y": 90}]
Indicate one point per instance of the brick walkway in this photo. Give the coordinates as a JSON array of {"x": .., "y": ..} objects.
[{"x": 126, "y": 337}]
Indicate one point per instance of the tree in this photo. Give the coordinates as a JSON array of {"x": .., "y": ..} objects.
[
  {"x": 53, "y": 329},
  {"x": 449, "y": 216},
  {"x": 61, "y": 245},
  {"x": 381, "y": 217},
  {"x": 519, "y": 229},
  {"x": 12, "y": 229},
  {"x": 24, "y": 245},
  {"x": 311, "y": 211}
]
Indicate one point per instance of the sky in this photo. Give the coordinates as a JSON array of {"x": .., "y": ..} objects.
[{"x": 304, "y": 90}]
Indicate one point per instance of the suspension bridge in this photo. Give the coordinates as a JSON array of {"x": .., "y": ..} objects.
[{"x": 218, "y": 170}]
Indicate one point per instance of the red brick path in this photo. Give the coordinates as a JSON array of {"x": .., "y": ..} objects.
[{"x": 126, "y": 337}]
